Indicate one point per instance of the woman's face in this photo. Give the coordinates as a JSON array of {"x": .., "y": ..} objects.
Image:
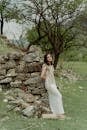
[{"x": 49, "y": 58}]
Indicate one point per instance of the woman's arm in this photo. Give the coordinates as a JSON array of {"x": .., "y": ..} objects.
[{"x": 43, "y": 72}]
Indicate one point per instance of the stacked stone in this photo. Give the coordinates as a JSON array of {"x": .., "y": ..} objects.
[{"x": 22, "y": 71}]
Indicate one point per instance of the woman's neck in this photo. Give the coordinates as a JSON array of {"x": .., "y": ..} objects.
[{"x": 49, "y": 63}]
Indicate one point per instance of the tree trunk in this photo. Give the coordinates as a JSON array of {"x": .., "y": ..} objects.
[
  {"x": 56, "y": 58},
  {"x": 2, "y": 23}
]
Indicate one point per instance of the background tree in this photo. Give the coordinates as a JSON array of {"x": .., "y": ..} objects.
[
  {"x": 54, "y": 20},
  {"x": 8, "y": 11}
]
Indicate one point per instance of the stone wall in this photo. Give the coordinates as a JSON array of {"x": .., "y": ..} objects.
[{"x": 23, "y": 71}]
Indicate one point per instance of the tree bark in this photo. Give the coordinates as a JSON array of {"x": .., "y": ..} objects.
[
  {"x": 2, "y": 23},
  {"x": 56, "y": 58}
]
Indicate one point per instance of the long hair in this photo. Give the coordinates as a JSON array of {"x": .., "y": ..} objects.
[{"x": 45, "y": 58}]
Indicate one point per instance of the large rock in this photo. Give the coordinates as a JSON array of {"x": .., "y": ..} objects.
[
  {"x": 11, "y": 73},
  {"x": 38, "y": 91},
  {"x": 32, "y": 81},
  {"x": 29, "y": 111},
  {"x": 5, "y": 56},
  {"x": 31, "y": 58},
  {"x": 29, "y": 98},
  {"x": 34, "y": 54},
  {"x": 22, "y": 76},
  {"x": 37, "y": 50},
  {"x": 35, "y": 74},
  {"x": 6, "y": 80},
  {"x": 2, "y": 59},
  {"x": 15, "y": 56},
  {"x": 33, "y": 67},
  {"x": 2, "y": 71},
  {"x": 11, "y": 64},
  {"x": 2, "y": 77},
  {"x": 21, "y": 67}
]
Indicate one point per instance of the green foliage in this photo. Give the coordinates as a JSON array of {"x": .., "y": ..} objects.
[
  {"x": 75, "y": 54},
  {"x": 9, "y": 10},
  {"x": 54, "y": 19},
  {"x": 4, "y": 48},
  {"x": 4, "y": 4},
  {"x": 32, "y": 35}
]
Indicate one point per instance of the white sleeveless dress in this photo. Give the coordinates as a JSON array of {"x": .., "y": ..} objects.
[{"x": 54, "y": 95}]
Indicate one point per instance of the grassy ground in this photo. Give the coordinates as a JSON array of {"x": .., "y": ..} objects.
[
  {"x": 75, "y": 105},
  {"x": 4, "y": 48}
]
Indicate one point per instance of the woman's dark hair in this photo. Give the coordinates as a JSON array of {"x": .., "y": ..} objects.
[{"x": 45, "y": 58}]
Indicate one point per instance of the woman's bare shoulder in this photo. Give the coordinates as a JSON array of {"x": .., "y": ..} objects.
[{"x": 44, "y": 65}]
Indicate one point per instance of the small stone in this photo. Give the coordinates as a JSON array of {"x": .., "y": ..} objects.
[
  {"x": 17, "y": 109},
  {"x": 16, "y": 84},
  {"x": 17, "y": 101},
  {"x": 10, "y": 98},
  {"x": 5, "y": 100},
  {"x": 80, "y": 87}
]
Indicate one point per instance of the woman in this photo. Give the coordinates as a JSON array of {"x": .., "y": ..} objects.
[{"x": 55, "y": 97}]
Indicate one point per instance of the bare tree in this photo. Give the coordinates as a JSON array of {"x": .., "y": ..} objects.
[
  {"x": 8, "y": 11},
  {"x": 55, "y": 20}
]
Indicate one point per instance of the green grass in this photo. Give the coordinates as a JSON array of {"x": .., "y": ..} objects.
[
  {"x": 4, "y": 48},
  {"x": 79, "y": 67},
  {"x": 75, "y": 105}
]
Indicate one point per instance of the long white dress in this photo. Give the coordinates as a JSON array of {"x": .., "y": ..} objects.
[{"x": 54, "y": 95}]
